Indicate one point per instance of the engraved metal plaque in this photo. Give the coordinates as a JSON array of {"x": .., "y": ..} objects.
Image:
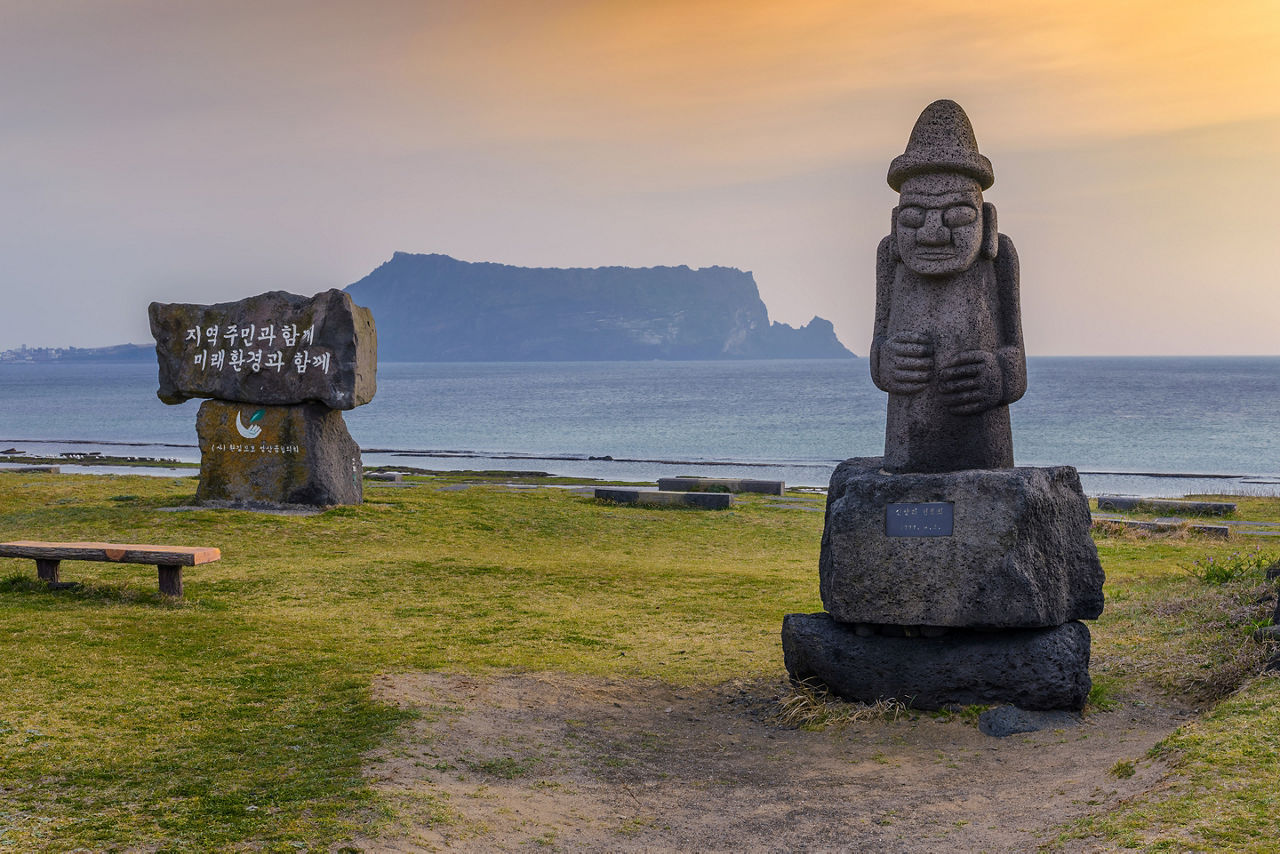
[{"x": 928, "y": 519}]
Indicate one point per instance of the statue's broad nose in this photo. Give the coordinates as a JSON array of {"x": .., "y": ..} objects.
[{"x": 933, "y": 232}]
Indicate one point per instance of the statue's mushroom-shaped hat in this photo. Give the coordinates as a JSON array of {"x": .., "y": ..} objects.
[{"x": 941, "y": 141}]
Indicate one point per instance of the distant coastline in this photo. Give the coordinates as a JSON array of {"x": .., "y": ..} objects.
[{"x": 116, "y": 353}]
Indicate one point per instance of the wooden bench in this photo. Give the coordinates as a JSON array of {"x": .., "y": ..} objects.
[{"x": 169, "y": 560}]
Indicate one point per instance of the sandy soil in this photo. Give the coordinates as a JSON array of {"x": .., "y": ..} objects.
[{"x": 553, "y": 762}]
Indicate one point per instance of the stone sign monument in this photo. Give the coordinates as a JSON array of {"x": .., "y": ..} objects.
[
  {"x": 278, "y": 368},
  {"x": 949, "y": 577}
]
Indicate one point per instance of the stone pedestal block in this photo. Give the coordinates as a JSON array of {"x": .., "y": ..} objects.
[
  {"x": 985, "y": 548},
  {"x": 1029, "y": 668},
  {"x": 271, "y": 456}
]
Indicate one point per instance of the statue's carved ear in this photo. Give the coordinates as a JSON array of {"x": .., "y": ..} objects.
[
  {"x": 990, "y": 233},
  {"x": 893, "y": 235}
]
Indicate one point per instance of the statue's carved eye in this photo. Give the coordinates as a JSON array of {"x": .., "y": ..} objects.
[
  {"x": 958, "y": 215},
  {"x": 911, "y": 217}
]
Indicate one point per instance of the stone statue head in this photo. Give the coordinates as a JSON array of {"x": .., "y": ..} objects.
[{"x": 941, "y": 225}]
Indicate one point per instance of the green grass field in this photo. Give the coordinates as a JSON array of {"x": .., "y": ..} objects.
[{"x": 238, "y": 717}]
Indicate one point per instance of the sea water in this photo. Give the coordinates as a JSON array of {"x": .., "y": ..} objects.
[{"x": 1150, "y": 426}]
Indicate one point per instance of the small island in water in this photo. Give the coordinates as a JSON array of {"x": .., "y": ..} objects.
[{"x": 434, "y": 308}]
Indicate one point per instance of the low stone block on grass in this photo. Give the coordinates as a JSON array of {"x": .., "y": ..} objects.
[
  {"x": 703, "y": 500},
  {"x": 1166, "y": 526},
  {"x": 1156, "y": 505},
  {"x": 721, "y": 484}
]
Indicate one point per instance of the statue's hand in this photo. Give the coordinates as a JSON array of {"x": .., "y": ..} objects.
[
  {"x": 971, "y": 383},
  {"x": 906, "y": 363}
]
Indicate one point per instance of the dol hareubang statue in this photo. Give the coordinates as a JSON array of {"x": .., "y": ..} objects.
[
  {"x": 947, "y": 345},
  {"x": 948, "y": 576}
]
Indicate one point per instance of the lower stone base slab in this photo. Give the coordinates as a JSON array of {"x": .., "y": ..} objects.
[{"x": 1028, "y": 668}]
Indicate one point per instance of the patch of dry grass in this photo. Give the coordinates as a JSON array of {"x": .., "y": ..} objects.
[{"x": 809, "y": 705}]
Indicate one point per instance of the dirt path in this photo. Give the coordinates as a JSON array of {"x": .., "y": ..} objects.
[{"x": 553, "y": 762}]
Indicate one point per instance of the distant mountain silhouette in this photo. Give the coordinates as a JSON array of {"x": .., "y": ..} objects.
[{"x": 433, "y": 308}]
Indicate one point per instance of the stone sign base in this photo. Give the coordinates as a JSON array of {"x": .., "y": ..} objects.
[
  {"x": 1028, "y": 668},
  {"x": 274, "y": 456},
  {"x": 990, "y": 548}
]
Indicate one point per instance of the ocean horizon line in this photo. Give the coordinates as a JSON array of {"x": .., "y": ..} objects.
[{"x": 446, "y": 453}]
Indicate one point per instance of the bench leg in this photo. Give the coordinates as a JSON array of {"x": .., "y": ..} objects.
[
  {"x": 47, "y": 570},
  {"x": 170, "y": 579}
]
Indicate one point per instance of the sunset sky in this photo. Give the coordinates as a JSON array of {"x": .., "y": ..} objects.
[{"x": 212, "y": 149}]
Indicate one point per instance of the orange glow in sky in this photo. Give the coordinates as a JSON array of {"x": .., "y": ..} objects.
[{"x": 1056, "y": 71}]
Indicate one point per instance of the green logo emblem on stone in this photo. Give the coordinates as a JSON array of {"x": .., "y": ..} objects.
[{"x": 252, "y": 430}]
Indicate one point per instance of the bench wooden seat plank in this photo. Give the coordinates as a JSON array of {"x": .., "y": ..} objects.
[{"x": 168, "y": 560}]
